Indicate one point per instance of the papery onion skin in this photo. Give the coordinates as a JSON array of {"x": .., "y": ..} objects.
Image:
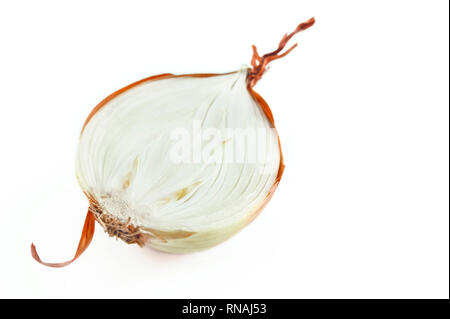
[{"x": 86, "y": 237}]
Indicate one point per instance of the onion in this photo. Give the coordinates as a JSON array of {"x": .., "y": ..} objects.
[{"x": 180, "y": 162}]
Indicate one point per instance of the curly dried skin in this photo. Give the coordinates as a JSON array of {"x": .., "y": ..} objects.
[
  {"x": 85, "y": 240},
  {"x": 259, "y": 64}
]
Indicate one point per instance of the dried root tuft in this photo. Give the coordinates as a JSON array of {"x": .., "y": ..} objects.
[{"x": 115, "y": 228}]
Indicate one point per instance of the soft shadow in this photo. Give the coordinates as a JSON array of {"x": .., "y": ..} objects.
[{"x": 165, "y": 257}]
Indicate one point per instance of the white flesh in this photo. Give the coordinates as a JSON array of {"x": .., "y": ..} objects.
[{"x": 124, "y": 159}]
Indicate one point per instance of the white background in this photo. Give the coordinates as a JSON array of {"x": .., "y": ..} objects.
[{"x": 361, "y": 107}]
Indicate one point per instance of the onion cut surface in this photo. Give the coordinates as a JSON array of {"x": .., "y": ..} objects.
[
  {"x": 127, "y": 168},
  {"x": 169, "y": 161}
]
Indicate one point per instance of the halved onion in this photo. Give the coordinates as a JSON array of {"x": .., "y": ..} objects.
[{"x": 180, "y": 162}]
